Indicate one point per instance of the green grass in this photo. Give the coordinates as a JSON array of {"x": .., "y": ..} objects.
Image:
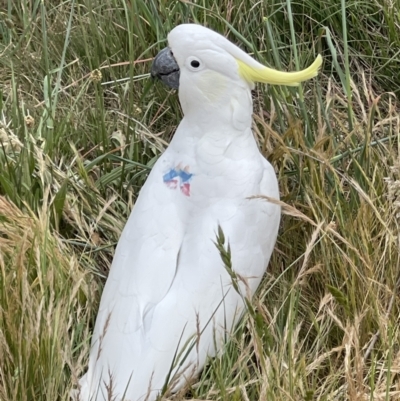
[{"x": 81, "y": 125}]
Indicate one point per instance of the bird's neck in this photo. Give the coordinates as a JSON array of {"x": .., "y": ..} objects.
[{"x": 229, "y": 113}]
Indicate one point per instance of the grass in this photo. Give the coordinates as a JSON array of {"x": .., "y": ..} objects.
[{"x": 81, "y": 125}]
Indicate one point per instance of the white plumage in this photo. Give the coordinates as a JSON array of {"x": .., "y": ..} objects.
[{"x": 167, "y": 282}]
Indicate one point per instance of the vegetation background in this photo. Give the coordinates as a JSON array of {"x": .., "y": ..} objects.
[{"x": 81, "y": 125}]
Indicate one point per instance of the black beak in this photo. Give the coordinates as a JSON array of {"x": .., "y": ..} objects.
[{"x": 166, "y": 69}]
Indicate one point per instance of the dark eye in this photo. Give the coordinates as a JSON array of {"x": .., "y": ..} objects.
[{"x": 195, "y": 64}]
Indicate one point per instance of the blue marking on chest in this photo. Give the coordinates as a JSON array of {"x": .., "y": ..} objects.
[{"x": 178, "y": 176}]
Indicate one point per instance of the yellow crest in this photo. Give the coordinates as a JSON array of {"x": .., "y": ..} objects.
[{"x": 269, "y": 76}]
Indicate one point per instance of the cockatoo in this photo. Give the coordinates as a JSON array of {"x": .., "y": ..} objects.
[{"x": 169, "y": 301}]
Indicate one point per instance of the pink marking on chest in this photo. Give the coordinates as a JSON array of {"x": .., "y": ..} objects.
[{"x": 178, "y": 176}]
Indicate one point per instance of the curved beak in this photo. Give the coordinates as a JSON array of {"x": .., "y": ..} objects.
[{"x": 166, "y": 69}]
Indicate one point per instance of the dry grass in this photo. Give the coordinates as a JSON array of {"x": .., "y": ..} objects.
[
  {"x": 76, "y": 146},
  {"x": 44, "y": 317}
]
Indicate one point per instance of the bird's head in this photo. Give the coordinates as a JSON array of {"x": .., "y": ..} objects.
[{"x": 204, "y": 65}]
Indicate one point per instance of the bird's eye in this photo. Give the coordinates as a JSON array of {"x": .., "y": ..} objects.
[{"x": 194, "y": 64}]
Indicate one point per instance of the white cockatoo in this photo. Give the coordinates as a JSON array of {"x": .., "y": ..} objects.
[{"x": 169, "y": 301}]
